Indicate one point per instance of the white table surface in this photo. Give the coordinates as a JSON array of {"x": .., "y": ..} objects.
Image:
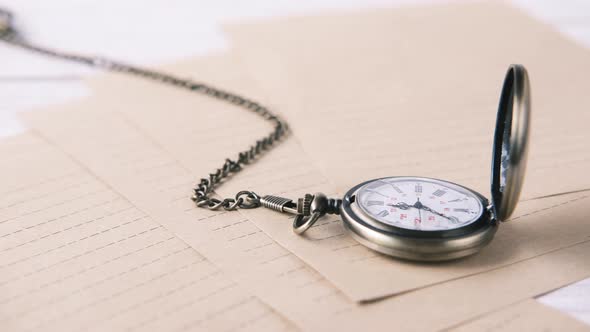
[{"x": 28, "y": 81}]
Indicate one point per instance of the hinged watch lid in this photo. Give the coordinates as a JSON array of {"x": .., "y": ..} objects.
[{"x": 510, "y": 142}]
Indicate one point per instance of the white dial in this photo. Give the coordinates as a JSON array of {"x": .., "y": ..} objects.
[{"x": 419, "y": 203}]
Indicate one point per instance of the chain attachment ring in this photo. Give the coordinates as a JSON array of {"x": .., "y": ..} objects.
[{"x": 251, "y": 200}]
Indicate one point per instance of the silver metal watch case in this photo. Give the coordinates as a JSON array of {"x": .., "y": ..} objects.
[{"x": 509, "y": 155}]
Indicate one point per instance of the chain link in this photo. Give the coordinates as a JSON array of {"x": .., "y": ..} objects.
[{"x": 204, "y": 189}]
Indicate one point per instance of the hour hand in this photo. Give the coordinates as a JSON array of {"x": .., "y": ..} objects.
[{"x": 401, "y": 205}]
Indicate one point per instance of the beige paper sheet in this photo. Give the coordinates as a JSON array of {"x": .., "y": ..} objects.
[
  {"x": 413, "y": 91},
  {"x": 528, "y": 315},
  {"x": 144, "y": 172},
  {"x": 188, "y": 126},
  {"x": 75, "y": 255}
]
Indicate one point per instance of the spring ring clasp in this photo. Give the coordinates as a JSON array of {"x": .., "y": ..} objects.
[{"x": 307, "y": 210}]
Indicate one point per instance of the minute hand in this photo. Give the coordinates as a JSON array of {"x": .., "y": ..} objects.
[{"x": 426, "y": 208}]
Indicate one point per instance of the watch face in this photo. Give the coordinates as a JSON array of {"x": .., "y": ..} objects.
[{"x": 419, "y": 203}]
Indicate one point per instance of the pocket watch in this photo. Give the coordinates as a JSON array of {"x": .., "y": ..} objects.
[
  {"x": 407, "y": 217},
  {"x": 426, "y": 219}
]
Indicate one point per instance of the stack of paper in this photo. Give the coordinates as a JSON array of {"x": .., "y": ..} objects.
[{"x": 100, "y": 232}]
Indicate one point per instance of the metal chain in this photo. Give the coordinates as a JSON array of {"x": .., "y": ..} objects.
[{"x": 204, "y": 189}]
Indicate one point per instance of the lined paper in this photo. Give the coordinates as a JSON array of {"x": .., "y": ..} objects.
[
  {"x": 148, "y": 175},
  {"x": 528, "y": 315},
  {"x": 75, "y": 255},
  {"x": 414, "y": 91},
  {"x": 155, "y": 169},
  {"x": 191, "y": 133},
  {"x": 153, "y": 180}
]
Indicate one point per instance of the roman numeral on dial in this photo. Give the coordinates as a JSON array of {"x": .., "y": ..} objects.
[
  {"x": 439, "y": 193},
  {"x": 383, "y": 213}
]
